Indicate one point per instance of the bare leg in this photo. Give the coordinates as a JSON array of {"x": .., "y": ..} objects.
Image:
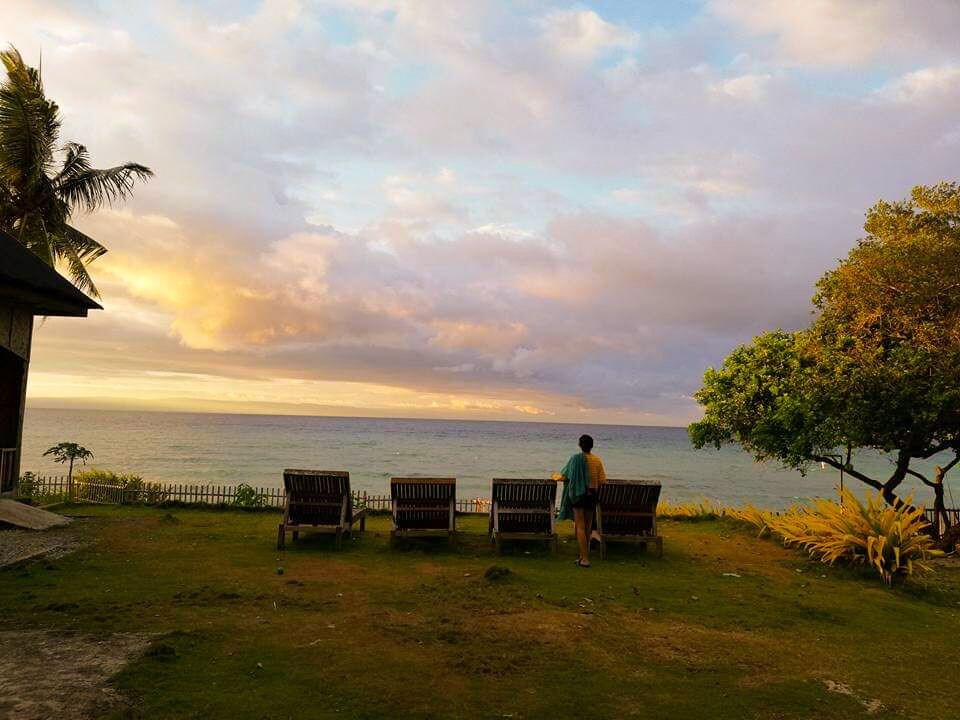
[
  {"x": 583, "y": 534},
  {"x": 587, "y": 531}
]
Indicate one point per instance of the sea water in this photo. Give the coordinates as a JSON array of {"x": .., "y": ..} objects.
[{"x": 224, "y": 449}]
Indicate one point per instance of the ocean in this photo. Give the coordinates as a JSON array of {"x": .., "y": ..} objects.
[{"x": 223, "y": 449}]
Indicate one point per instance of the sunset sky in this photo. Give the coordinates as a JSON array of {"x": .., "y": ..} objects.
[{"x": 512, "y": 210}]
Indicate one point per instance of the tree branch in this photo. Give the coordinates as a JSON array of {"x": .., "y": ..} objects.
[
  {"x": 949, "y": 465},
  {"x": 920, "y": 477},
  {"x": 954, "y": 443},
  {"x": 876, "y": 485}
]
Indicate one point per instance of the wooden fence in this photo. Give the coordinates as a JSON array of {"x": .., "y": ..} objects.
[
  {"x": 55, "y": 488},
  {"x": 952, "y": 513}
]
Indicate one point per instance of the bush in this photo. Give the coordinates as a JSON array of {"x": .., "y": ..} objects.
[
  {"x": 754, "y": 516},
  {"x": 890, "y": 540},
  {"x": 246, "y": 496},
  {"x": 98, "y": 476},
  {"x": 133, "y": 488},
  {"x": 703, "y": 510}
]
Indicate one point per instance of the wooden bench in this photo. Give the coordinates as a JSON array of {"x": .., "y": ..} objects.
[
  {"x": 423, "y": 507},
  {"x": 318, "y": 500},
  {"x": 523, "y": 509},
  {"x": 627, "y": 511}
]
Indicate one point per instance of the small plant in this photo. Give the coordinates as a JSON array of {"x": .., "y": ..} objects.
[
  {"x": 496, "y": 573},
  {"x": 893, "y": 541},
  {"x": 246, "y": 496},
  {"x": 69, "y": 452},
  {"x": 27, "y": 485}
]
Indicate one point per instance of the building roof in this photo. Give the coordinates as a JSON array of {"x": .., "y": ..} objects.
[{"x": 28, "y": 281}]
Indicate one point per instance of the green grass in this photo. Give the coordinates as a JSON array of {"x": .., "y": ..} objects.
[{"x": 420, "y": 632}]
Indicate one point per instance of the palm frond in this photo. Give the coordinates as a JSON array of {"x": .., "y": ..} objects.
[
  {"x": 76, "y": 263},
  {"x": 29, "y": 123},
  {"x": 31, "y": 232},
  {"x": 85, "y": 246},
  {"x": 76, "y": 161},
  {"x": 91, "y": 188}
]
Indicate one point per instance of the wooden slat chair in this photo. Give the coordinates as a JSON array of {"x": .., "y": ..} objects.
[
  {"x": 423, "y": 507},
  {"x": 523, "y": 509},
  {"x": 627, "y": 510},
  {"x": 318, "y": 500}
]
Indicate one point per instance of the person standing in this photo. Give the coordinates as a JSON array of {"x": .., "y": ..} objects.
[{"x": 582, "y": 477}]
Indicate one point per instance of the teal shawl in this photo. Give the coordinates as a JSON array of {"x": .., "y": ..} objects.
[{"x": 575, "y": 486}]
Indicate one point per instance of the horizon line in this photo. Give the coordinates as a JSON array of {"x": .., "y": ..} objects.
[{"x": 30, "y": 406}]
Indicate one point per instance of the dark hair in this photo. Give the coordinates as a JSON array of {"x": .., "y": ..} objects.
[{"x": 586, "y": 443}]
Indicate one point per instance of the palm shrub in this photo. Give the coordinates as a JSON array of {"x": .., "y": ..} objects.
[
  {"x": 891, "y": 540},
  {"x": 751, "y": 515}
]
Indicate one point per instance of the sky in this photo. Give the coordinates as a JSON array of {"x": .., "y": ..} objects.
[{"x": 518, "y": 210}]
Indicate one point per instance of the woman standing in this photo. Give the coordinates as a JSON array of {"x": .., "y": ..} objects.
[{"x": 582, "y": 476}]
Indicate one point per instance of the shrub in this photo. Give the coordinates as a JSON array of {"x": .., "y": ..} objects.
[
  {"x": 134, "y": 488},
  {"x": 246, "y": 496},
  {"x": 754, "y": 516},
  {"x": 702, "y": 510},
  {"x": 99, "y": 476},
  {"x": 890, "y": 540}
]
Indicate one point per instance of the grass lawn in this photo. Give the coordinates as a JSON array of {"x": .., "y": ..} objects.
[{"x": 724, "y": 626}]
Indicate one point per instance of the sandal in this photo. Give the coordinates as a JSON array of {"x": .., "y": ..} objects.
[{"x": 580, "y": 563}]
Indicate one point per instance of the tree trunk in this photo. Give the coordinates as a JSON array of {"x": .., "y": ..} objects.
[
  {"x": 903, "y": 464},
  {"x": 70, "y": 481},
  {"x": 941, "y": 519}
]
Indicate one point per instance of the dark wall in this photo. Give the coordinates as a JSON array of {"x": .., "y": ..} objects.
[{"x": 16, "y": 328}]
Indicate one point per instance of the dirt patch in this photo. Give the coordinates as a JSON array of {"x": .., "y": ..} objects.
[
  {"x": 17, "y": 546},
  {"x": 52, "y": 675}
]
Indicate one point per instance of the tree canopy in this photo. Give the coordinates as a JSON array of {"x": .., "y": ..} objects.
[
  {"x": 42, "y": 184},
  {"x": 878, "y": 367}
]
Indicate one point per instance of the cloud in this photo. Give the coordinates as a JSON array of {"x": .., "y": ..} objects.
[
  {"x": 584, "y": 34},
  {"x": 924, "y": 86},
  {"x": 482, "y": 209},
  {"x": 750, "y": 87},
  {"x": 840, "y": 33}
]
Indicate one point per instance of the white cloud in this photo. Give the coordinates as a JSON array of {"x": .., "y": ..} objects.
[
  {"x": 584, "y": 33},
  {"x": 846, "y": 32},
  {"x": 924, "y": 86},
  {"x": 749, "y": 87}
]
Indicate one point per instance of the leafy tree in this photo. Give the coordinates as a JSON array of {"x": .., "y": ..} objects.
[
  {"x": 68, "y": 452},
  {"x": 43, "y": 184},
  {"x": 879, "y": 366}
]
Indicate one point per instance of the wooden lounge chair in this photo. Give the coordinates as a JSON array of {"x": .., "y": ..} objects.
[
  {"x": 423, "y": 507},
  {"x": 523, "y": 509},
  {"x": 627, "y": 510},
  {"x": 318, "y": 500}
]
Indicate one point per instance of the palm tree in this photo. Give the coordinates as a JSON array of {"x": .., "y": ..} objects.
[
  {"x": 42, "y": 184},
  {"x": 69, "y": 452}
]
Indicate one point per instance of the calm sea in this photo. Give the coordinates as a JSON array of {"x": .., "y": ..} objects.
[{"x": 228, "y": 449}]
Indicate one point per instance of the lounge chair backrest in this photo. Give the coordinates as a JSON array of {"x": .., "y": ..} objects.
[
  {"x": 423, "y": 503},
  {"x": 524, "y": 492},
  {"x": 423, "y": 490},
  {"x": 628, "y": 507},
  {"x": 523, "y": 505},
  {"x": 316, "y": 497}
]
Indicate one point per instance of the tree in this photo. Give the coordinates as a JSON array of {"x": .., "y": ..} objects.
[
  {"x": 42, "y": 184},
  {"x": 68, "y": 452},
  {"x": 879, "y": 366}
]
